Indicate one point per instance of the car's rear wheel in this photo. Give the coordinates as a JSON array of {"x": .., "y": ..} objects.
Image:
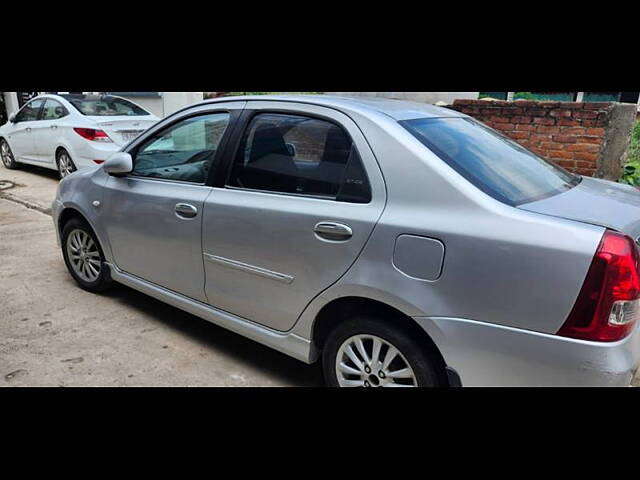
[
  {"x": 8, "y": 159},
  {"x": 84, "y": 256},
  {"x": 65, "y": 164},
  {"x": 371, "y": 352}
]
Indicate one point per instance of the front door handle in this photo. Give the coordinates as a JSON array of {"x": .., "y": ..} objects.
[
  {"x": 28, "y": 129},
  {"x": 185, "y": 210},
  {"x": 333, "y": 231},
  {"x": 54, "y": 127}
]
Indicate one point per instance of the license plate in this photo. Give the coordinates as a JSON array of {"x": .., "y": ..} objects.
[{"x": 130, "y": 135}]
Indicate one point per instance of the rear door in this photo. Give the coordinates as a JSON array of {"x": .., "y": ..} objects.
[
  {"x": 47, "y": 130},
  {"x": 301, "y": 199}
]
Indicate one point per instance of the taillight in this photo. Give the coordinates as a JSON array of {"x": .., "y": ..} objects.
[
  {"x": 608, "y": 304},
  {"x": 93, "y": 134}
]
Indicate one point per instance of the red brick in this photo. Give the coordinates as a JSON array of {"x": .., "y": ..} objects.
[
  {"x": 512, "y": 110},
  {"x": 565, "y": 163},
  {"x": 525, "y": 103},
  {"x": 544, "y": 121},
  {"x": 592, "y": 157},
  {"x": 519, "y": 135},
  {"x": 565, "y": 138},
  {"x": 596, "y": 105},
  {"x": 565, "y": 122},
  {"x": 538, "y": 137},
  {"x": 548, "y": 129},
  {"x": 528, "y": 128},
  {"x": 573, "y": 105},
  {"x": 504, "y": 126},
  {"x": 501, "y": 119},
  {"x": 553, "y": 145},
  {"x": 583, "y": 164},
  {"x": 559, "y": 154},
  {"x": 583, "y": 147},
  {"x": 462, "y": 101},
  {"x": 595, "y": 131},
  {"x": 537, "y": 112},
  {"x": 549, "y": 104},
  {"x": 592, "y": 140},
  {"x": 574, "y": 131},
  {"x": 560, "y": 113},
  {"x": 521, "y": 119},
  {"x": 585, "y": 114},
  {"x": 490, "y": 111}
]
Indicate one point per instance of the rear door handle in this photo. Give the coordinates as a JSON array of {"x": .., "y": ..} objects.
[
  {"x": 185, "y": 210},
  {"x": 28, "y": 129},
  {"x": 54, "y": 127},
  {"x": 333, "y": 231}
]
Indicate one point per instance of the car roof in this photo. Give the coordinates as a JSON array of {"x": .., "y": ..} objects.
[{"x": 396, "y": 109}]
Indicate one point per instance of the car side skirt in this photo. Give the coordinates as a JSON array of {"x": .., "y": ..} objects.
[{"x": 287, "y": 343}]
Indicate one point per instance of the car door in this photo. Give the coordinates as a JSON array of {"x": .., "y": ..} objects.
[
  {"x": 153, "y": 216},
  {"x": 45, "y": 132},
  {"x": 302, "y": 197},
  {"x": 21, "y": 137}
]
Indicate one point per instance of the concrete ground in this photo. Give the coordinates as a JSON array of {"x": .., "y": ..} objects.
[{"x": 52, "y": 333}]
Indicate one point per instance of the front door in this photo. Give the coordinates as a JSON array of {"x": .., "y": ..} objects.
[
  {"x": 21, "y": 137},
  {"x": 154, "y": 215},
  {"x": 47, "y": 131},
  {"x": 302, "y": 197}
]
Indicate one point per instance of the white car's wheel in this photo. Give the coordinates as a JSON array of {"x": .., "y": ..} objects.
[
  {"x": 65, "y": 164},
  {"x": 8, "y": 159}
]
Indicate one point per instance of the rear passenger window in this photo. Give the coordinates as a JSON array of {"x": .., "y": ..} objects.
[{"x": 299, "y": 155}]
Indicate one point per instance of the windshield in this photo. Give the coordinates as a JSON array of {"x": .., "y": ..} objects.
[
  {"x": 492, "y": 162},
  {"x": 104, "y": 106}
]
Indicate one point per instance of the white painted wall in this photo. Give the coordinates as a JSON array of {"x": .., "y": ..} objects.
[
  {"x": 11, "y": 102},
  {"x": 423, "y": 97}
]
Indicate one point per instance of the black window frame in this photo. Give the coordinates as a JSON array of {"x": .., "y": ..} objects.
[
  {"x": 217, "y": 158},
  {"x": 48, "y": 99},
  {"x": 236, "y": 140},
  {"x": 38, "y": 117}
]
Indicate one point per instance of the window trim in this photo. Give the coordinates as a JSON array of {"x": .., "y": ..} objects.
[
  {"x": 243, "y": 124},
  {"x": 133, "y": 149}
]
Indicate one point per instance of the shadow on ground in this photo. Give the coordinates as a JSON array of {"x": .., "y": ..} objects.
[
  {"x": 41, "y": 171},
  {"x": 270, "y": 361}
]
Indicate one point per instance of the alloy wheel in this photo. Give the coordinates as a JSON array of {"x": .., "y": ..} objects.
[
  {"x": 370, "y": 361},
  {"x": 5, "y": 153},
  {"x": 84, "y": 255},
  {"x": 65, "y": 165}
]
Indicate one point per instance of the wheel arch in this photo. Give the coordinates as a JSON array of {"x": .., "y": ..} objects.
[{"x": 343, "y": 308}]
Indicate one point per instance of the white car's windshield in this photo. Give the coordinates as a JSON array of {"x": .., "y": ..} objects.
[{"x": 492, "y": 162}]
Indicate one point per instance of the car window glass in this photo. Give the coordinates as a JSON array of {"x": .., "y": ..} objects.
[
  {"x": 105, "y": 106},
  {"x": 300, "y": 155},
  {"x": 30, "y": 111},
  {"x": 53, "y": 110},
  {"x": 183, "y": 152}
]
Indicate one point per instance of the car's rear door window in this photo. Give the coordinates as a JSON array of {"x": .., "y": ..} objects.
[
  {"x": 53, "y": 110},
  {"x": 492, "y": 162},
  {"x": 300, "y": 155}
]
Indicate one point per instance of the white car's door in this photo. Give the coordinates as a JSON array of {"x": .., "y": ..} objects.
[
  {"x": 46, "y": 131},
  {"x": 21, "y": 138}
]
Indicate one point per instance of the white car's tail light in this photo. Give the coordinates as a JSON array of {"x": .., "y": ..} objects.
[
  {"x": 608, "y": 305},
  {"x": 93, "y": 134}
]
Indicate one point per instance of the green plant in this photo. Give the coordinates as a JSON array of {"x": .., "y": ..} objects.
[
  {"x": 524, "y": 96},
  {"x": 631, "y": 169}
]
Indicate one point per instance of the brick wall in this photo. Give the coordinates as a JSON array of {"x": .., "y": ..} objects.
[{"x": 570, "y": 134}]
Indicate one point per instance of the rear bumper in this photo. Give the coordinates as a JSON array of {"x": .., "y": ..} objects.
[
  {"x": 85, "y": 152},
  {"x": 492, "y": 355}
]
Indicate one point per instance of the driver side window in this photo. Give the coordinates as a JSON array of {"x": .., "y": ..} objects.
[
  {"x": 30, "y": 111},
  {"x": 184, "y": 152}
]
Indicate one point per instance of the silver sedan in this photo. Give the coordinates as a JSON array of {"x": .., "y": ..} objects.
[{"x": 400, "y": 244}]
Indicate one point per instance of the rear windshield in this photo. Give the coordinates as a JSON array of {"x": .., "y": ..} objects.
[
  {"x": 104, "y": 106},
  {"x": 492, "y": 162}
]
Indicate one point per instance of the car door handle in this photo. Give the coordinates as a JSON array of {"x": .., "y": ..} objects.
[
  {"x": 333, "y": 231},
  {"x": 28, "y": 129},
  {"x": 185, "y": 210},
  {"x": 54, "y": 127}
]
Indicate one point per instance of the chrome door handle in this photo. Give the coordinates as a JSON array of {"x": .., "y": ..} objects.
[
  {"x": 333, "y": 231},
  {"x": 185, "y": 210},
  {"x": 54, "y": 127},
  {"x": 28, "y": 129}
]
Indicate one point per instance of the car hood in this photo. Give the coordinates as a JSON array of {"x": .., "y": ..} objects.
[{"x": 599, "y": 202}]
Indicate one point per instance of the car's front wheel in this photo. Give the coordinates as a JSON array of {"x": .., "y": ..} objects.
[
  {"x": 84, "y": 256},
  {"x": 8, "y": 159},
  {"x": 371, "y": 352},
  {"x": 65, "y": 164}
]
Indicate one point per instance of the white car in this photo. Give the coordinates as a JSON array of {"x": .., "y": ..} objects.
[{"x": 70, "y": 132}]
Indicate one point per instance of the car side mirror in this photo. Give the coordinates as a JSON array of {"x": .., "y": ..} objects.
[
  {"x": 12, "y": 118},
  {"x": 119, "y": 163}
]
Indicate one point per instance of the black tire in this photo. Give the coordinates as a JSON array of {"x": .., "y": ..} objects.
[
  {"x": 421, "y": 360},
  {"x": 8, "y": 160},
  {"x": 103, "y": 280},
  {"x": 63, "y": 172}
]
